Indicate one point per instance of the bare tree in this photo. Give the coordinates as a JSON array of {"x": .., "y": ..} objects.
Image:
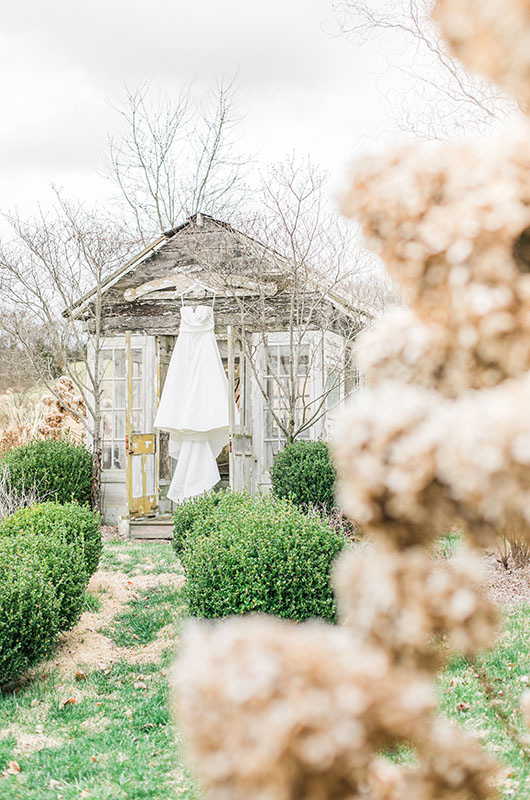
[
  {"x": 434, "y": 96},
  {"x": 176, "y": 157},
  {"x": 50, "y": 263},
  {"x": 299, "y": 251}
]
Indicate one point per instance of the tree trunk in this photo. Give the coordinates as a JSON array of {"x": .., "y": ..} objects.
[{"x": 95, "y": 492}]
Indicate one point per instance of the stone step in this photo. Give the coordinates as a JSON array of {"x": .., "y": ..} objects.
[{"x": 151, "y": 528}]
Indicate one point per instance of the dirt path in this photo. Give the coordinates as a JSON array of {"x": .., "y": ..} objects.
[{"x": 85, "y": 645}]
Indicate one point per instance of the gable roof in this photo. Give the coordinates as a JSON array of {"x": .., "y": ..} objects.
[{"x": 76, "y": 310}]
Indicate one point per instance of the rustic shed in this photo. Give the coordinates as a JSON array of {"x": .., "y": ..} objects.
[{"x": 256, "y": 324}]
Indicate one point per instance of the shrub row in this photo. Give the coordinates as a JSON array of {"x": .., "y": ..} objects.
[
  {"x": 255, "y": 554},
  {"x": 58, "y": 469},
  {"x": 47, "y": 555}
]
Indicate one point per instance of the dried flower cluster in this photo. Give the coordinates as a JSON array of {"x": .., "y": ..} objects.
[
  {"x": 441, "y": 433},
  {"x": 61, "y": 410},
  {"x": 490, "y": 37}
]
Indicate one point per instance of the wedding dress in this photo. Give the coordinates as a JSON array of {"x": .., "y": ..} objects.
[{"x": 194, "y": 405}]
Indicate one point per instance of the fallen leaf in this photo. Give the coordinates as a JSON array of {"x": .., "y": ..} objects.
[
  {"x": 99, "y": 704},
  {"x": 140, "y": 685},
  {"x": 134, "y": 636},
  {"x": 147, "y": 725},
  {"x": 463, "y": 706},
  {"x": 80, "y": 675},
  {"x": 12, "y": 768},
  {"x": 93, "y": 758},
  {"x": 70, "y": 701},
  {"x": 35, "y": 703}
]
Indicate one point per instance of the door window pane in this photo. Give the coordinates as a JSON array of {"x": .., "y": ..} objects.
[
  {"x": 119, "y": 424},
  {"x": 119, "y": 394},
  {"x": 107, "y": 456},
  {"x": 119, "y": 363},
  {"x": 118, "y": 456},
  {"x": 137, "y": 363}
]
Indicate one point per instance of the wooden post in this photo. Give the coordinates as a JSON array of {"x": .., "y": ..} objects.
[
  {"x": 128, "y": 421},
  {"x": 231, "y": 410}
]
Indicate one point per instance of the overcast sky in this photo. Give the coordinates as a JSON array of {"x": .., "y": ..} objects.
[{"x": 64, "y": 65}]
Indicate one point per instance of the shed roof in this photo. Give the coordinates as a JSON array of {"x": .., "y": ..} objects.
[{"x": 170, "y": 236}]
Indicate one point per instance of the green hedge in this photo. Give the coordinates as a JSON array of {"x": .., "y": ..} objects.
[
  {"x": 30, "y": 609},
  {"x": 190, "y": 512},
  {"x": 304, "y": 472},
  {"x": 47, "y": 555},
  {"x": 62, "y": 565},
  {"x": 59, "y": 469},
  {"x": 259, "y": 554},
  {"x": 76, "y": 524}
]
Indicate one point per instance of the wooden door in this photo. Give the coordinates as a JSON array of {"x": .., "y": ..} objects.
[
  {"x": 142, "y": 494},
  {"x": 164, "y": 347},
  {"x": 240, "y": 434}
]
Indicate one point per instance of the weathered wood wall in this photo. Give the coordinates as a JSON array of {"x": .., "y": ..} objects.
[{"x": 212, "y": 250}]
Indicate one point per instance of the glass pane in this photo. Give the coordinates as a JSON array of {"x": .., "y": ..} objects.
[
  {"x": 107, "y": 426},
  {"x": 271, "y": 361},
  {"x": 107, "y": 456},
  {"x": 118, "y": 460},
  {"x": 333, "y": 389},
  {"x": 119, "y": 363},
  {"x": 106, "y": 394},
  {"x": 303, "y": 389},
  {"x": 137, "y": 363},
  {"x": 137, "y": 477},
  {"x": 119, "y": 424},
  {"x": 303, "y": 363},
  {"x": 119, "y": 394},
  {"x": 271, "y": 430},
  {"x": 137, "y": 394},
  {"x": 150, "y": 473},
  {"x": 106, "y": 364},
  {"x": 138, "y": 421},
  {"x": 285, "y": 359}
]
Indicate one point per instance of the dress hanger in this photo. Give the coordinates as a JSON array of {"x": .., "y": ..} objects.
[{"x": 196, "y": 284}]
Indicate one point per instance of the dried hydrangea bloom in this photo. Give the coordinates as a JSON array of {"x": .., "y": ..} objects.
[
  {"x": 490, "y": 37},
  {"x": 400, "y": 347},
  {"x": 386, "y": 464},
  {"x": 452, "y": 225},
  {"x": 484, "y": 456},
  {"x": 401, "y": 601},
  {"x": 274, "y": 710},
  {"x": 451, "y": 765}
]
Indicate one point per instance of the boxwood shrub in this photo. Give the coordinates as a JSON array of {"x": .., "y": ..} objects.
[
  {"x": 62, "y": 565},
  {"x": 189, "y": 512},
  {"x": 30, "y": 609},
  {"x": 304, "y": 472},
  {"x": 58, "y": 468},
  {"x": 260, "y": 554},
  {"x": 77, "y": 525}
]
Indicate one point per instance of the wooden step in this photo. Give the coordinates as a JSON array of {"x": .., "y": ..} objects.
[{"x": 151, "y": 528}]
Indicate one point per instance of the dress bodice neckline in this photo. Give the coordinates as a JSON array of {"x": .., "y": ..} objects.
[{"x": 196, "y": 318}]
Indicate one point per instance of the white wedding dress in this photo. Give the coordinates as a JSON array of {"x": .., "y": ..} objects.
[{"x": 194, "y": 405}]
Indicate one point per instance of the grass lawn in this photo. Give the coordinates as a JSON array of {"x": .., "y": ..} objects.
[
  {"x": 117, "y": 741},
  {"x": 484, "y": 697}
]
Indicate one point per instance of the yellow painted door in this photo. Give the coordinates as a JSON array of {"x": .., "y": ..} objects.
[{"x": 142, "y": 491}]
